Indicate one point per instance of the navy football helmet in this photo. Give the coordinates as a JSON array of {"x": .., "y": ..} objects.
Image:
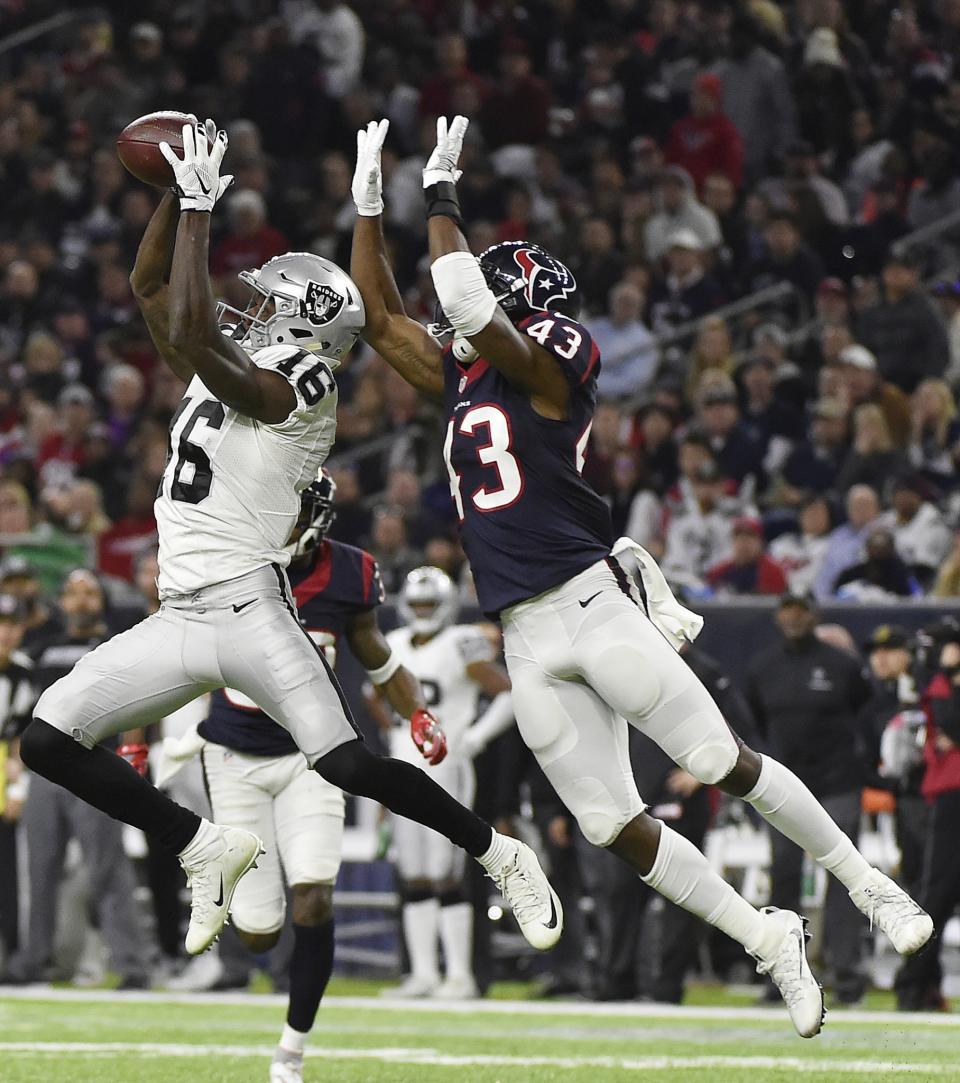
[
  {"x": 316, "y": 516},
  {"x": 524, "y": 279}
]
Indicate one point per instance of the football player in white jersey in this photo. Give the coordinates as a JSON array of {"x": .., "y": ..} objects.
[
  {"x": 255, "y": 425},
  {"x": 455, "y": 664}
]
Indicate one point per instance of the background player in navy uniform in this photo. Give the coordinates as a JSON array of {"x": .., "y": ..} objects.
[
  {"x": 255, "y": 425},
  {"x": 518, "y": 386},
  {"x": 258, "y": 780}
]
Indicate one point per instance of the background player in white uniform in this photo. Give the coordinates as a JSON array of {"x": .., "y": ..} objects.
[
  {"x": 455, "y": 665},
  {"x": 254, "y": 427}
]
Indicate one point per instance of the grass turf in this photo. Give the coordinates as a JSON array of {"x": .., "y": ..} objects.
[{"x": 123, "y": 1038}]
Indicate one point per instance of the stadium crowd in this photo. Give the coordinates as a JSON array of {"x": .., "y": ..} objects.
[{"x": 737, "y": 186}]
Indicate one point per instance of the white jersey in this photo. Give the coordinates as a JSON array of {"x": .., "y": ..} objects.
[
  {"x": 230, "y": 493},
  {"x": 440, "y": 665}
]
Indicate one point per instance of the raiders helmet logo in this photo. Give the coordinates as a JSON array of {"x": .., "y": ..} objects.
[
  {"x": 320, "y": 304},
  {"x": 546, "y": 280}
]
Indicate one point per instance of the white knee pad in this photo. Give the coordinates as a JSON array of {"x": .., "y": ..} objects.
[
  {"x": 600, "y": 814},
  {"x": 712, "y": 761}
]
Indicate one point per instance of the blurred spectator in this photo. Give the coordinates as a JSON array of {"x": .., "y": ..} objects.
[
  {"x": 705, "y": 141},
  {"x": 947, "y": 296},
  {"x": 801, "y": 553},
  {"x": 598, "y": 266},
  {"x": 826, "y": 95},
  {"x": 390, "y": 546},
  {"x": 634, "y": 507},
  {"x": 679, "y": 213},
  {"x": 947, "y": 584},
  {"x": 738, "y": 453},
  {"x": 712, "y": 352},
  {"x": 935, "y": 433},
  {"x": 517, "y": 107},
  {"x": 750, "y": 570},
  {"x": 864, "y": 385},
  {"x": 628, "y": 350},
  {"x": 251, "y": 240},
  {"x": 903, "y": 330},
  {"x": 920, "y": 532},
  {"x": 19, "y": 579},
  {"x": 846, "y": 542},
  {"x": 881, "y": 576},
  {"x": 655, "y": 428},
  {"x": 134, "y": 533},
  {"x": 787, "y": 258},
  {"x": 806, "y": 698},
  {"x": 872, "y": 458},
  {"x": 686, "y": 291},
  {"x": 336, "y": 33},
  {"x": 453, "y": 75},
  {"x": 813, "y": 465},
  {"x": 699, "y": 535},
  {"x": 774, "y": 424}
]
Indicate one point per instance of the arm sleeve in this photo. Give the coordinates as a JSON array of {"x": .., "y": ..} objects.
[
  {"x": 568, "y": 341},
  {"x": 473, "y": 646}
]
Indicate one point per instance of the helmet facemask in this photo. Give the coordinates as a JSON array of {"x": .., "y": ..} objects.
[
  {"x": 427, "y": 587},
  {"x": 316, "y": 516}
]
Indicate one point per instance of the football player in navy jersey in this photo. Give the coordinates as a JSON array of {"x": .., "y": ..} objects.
[
  {"x": 258, "y": 780},
  {"x": 585, "y": 647}
]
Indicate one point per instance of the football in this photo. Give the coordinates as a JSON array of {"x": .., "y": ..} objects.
[{"x": 138, "y": 145}]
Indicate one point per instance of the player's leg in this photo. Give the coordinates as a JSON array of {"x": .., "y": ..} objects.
[
  {"x": 131, "y": 680},
  {"x": 582, "y": 747},
  {"x": 638, "y": 673},
  {"x": 420, "y": 907},
  {"x": 308, "y": 821},
  {"x": 266, "y": 654},
  {"x": 445, "y": 865}
]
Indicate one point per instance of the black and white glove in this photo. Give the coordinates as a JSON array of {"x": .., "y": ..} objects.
[
  {"x": 367, "y": 186},
  {"x": 442, "y": 163},
  {"x": 197, "y": 174}
]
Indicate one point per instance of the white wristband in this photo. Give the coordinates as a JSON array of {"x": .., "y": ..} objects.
[
  {"x": 386, "y": 671},
  {"x": 466, "y": 299}
]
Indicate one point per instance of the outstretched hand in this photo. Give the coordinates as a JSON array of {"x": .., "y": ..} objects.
[
  {"x": 367, "y": 187},
  {"x": 197, "y": 174},
  {"x": 442, "y": 163}
]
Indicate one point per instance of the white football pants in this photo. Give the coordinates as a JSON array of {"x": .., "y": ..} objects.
[
  {"x": 584, "y": 661},
  {"x": 243, "y": 634}
]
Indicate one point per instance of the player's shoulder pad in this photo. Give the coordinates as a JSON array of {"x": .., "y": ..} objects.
[
  {"x": 310, "y": 375},
  {"x": 271, "y": 357},
  {"x": 472, "y": 645},
  {"x": 366, "y": 568},
  {"x": 567, "y": 340}
]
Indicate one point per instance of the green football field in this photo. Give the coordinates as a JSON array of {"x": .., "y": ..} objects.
[{"x": 102, "y": 1037}]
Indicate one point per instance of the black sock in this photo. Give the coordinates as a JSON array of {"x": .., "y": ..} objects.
[
  {"x": 310, "y": 968},
  {"x": 407, "y": 791},
  {"x": 102, "y": 779}
]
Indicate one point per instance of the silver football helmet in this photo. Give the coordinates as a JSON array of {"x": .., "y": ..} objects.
[
  {"x": 298, "y": 299},
  {"x": 428, "y": 587}
]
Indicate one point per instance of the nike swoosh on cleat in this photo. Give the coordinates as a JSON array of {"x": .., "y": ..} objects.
[
  {"x": 237, "y": 608},
  {"x": 583, "y": 605},
  {"x": 219, "y": 899},
  {"x": 798, "y": 933},
  {"x": 552, "y": 923}
]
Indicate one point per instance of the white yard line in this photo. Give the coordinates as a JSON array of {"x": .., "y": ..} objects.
[
  {"x": 481, "y": 1007},
  {"x": 433, "y": 1057}
]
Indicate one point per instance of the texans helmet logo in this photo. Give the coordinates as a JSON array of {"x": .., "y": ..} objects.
[
  {"x": 321, "y": 303},
  {"x": 546, "y": 279}
]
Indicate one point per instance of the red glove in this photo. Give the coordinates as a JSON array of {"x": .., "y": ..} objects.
[
  {"x": 428, "y": 736},
  {"x": 136, "y": 756}
]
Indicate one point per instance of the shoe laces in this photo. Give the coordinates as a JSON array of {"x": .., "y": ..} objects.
[
  {"x": 786, "y": 970},
  {"x": 524, "y": 895},
  {"x": 892, "y": 901},
  {"x": 198, "y": 880}
]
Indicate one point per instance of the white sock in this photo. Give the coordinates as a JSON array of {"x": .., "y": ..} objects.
[
  {"x": 501, "y": 846},
  {"x": 684, "y": 876},
  {"x": 420, "y": 929},
  {"x": 786, "y": 804},
  {"x": 196, "y": 849},
  {"x": 292, "y": 1041},
  {"x": 456, "y": 935}
]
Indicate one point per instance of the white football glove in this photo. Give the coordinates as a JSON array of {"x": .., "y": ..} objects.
[
  {"x": 197, "y": 174},
  {"x": 442, "y": 163},
  {"x": 367, "y": 187}
]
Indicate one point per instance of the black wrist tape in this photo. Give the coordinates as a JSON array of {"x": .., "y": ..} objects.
[{"x": 442, "y": 199}]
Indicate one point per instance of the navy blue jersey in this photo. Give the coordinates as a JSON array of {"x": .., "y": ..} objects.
[
  {"x": 337, "y": 584},
  {"x": 528, "y": 519}
]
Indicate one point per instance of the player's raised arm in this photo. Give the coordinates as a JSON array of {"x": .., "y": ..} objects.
[
  {"x": 466, "y": 299},
  {"x": 194, "y": 335},
  {"x": 150, "y": 279},
  {"x": 401, "y": 342}
]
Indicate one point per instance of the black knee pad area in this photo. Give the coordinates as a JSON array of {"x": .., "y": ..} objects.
[{"x": 42, "y": 745}]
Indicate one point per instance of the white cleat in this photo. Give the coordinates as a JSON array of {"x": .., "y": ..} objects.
[
  {"x": 534, "y": 902},
  {"x": 462, "y": 988},
  {"x": 414, "y": 987},
  {"x": 213, "y": 878},
  {"x": 892, "y": 910},
  {"x": 286, "y": 1071},
  {"x": 199, "y": 975},
  {"x": 787, "y": 967}
]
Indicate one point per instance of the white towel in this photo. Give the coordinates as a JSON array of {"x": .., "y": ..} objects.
[
  {"x": 173, "y": 753},
  {"x": 677, "y": 623}
]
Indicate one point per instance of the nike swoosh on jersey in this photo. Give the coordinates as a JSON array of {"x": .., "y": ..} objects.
[
  {"x": 552, "y": 923},
  {"x": 237, "y": 608},
  {"x": 218, "y": 901},
  {"x": 583, "y": 605}
]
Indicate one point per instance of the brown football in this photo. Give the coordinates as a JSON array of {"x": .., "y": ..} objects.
[{"x": 138, "y": 145}]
